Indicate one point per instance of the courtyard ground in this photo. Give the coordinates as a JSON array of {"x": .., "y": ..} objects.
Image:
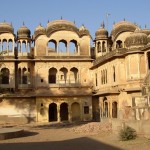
[{"x": 65, "y": 136}]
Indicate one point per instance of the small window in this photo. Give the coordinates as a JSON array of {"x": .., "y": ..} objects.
[
  {"x": 86, "y": 109},
  {"x": 41, "y": 80}
]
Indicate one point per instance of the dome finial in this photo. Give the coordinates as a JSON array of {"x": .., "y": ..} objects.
[
  {"x": 4, "y": 20},
  {"x": 23, "y": 23},
  {"x": 40, "y": 24},
  {"x": 124, "y": 19},
  {"x": 103, "y": 25},
  {"x": 145, "y": 26},
  {"x": 48, "y": 21},
  {"x": 74, "y": 22},
  {"x": 61, "y": 18}
]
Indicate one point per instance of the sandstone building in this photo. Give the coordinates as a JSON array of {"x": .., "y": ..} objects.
[{"x": 57, "y": 75}]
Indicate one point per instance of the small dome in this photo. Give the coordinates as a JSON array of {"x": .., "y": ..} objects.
[
  {"x": 6, "y": 28},
  {"x": 146, "y": 31},
  {"x": 59, "y": 25},
  {"x": 136, "y": 39},
  {"x": 40, "y": 30},
  {"x": 84, "y": 31},
  {"x": 101, "y": 32},
  {"x": 123, "y": 26},
  {"x": 23, "y": 32}
]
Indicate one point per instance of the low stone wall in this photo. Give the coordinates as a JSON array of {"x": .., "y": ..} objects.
[
  {"x": 4, "y": 119},
  {"x": 142, "y": 127}
]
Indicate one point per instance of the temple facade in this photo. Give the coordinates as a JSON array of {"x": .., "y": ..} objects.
[{"x": 56, "y": 74}]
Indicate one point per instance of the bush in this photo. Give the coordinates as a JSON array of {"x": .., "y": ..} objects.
[{"x": 127, "y": 133}]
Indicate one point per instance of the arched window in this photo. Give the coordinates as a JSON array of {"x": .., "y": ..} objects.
[
  {"x": 73, "y": 75},
  {"x": 103, "y": 46},
  {"x": 62, "y": 46},
  {"x": 63, "y": 75},
  {"x": 96, "y": 79},
  {"x": 114, "y": 109},
  {"x": 10, "y": 45},
  {"x": 24, "y": 46},
  {"x": 52, "y": 46},
  {"x": 52, "y": 75},
  {"x": 119, "y": 44},
  {"x": 19, "y": 47},
  {"x": 4, "y": 45},
  {"x": 98, "y": 47},
  {"x": 28, "y": 46},
  {"x": 73, "y": 47},
  {"x": 106, "y": 76},
  {"x": 5, "y": 75},
  {"x": 114, "y": 74},
  {"x": 25, "y": 76}
]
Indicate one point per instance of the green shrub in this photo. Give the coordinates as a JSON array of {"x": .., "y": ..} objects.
[{"x": 127, "y": 133}]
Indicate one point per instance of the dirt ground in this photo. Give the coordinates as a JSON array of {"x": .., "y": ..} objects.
[{"x": 89, "y": 136}]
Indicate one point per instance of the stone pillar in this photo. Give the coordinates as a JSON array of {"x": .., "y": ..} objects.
[
  {"x": 58, "y": 113},
  {"x": 69, "y": 113}
]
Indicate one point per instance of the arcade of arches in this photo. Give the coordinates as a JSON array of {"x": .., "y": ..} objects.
[
  {"x": 108, "y": 108},
  {"x": 55, "y": 110}
]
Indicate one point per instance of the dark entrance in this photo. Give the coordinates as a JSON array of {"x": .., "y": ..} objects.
[
  {"x": 114, "y": 109},
  {"x": 52, "y": 112},
  {"x": 64, "y": 111}
]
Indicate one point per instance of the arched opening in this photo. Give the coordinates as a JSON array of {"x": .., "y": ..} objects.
[
  {"x": 10, "y": 45},
  {"x": 52, "y": 46},
  {"x": 52, "y": 75},
  {"x": 114, "y": 74},
  {"x": 98, "y": 47},
  {"x": 105, "y": 107},
  {"x": 4, "y": 45},
  {"x": 114, "y": 109},
  {"x": 103, "y": 46},
  {"x": 73, "y": 75},
  {"x": 28, "y": 47},
  {"x": 19, "y": 47},
  {"x": 52, "y": 112},
  {"x": 19, "y": 75},
  {"x": 105, "y": 76},
  {"x": 24, "y": 47},
  {"x": 148, "y": 58},
  {"x": 119, "y": 44},
  {"x": 73, "y": 47},
  {"x": 75, "y": 108},
  {"x": 24, "y": 76},
  {"x": 5, "y": 75},
  {"x": 63, "y": 75},
  {"x": 64, "y": 112},
  {"x": 62, "y": 46}
]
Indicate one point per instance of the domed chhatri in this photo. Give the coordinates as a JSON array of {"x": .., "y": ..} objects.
[
  {"x": 6, "y": 28},
  {"x": 136, "y": 39},
  {"x": 57, "y": 25},
  {"x": 40, "y": 30},
  {"x": 23, "y": 32},
  {"x": 101, "y": 32},
  {"x": 122, "y": 26}
]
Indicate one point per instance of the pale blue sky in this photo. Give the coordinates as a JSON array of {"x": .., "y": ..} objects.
[{"x": 88, "y": 12}]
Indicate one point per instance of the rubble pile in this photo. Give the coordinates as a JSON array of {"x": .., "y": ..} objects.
[{"x": 92, "y": 128}]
